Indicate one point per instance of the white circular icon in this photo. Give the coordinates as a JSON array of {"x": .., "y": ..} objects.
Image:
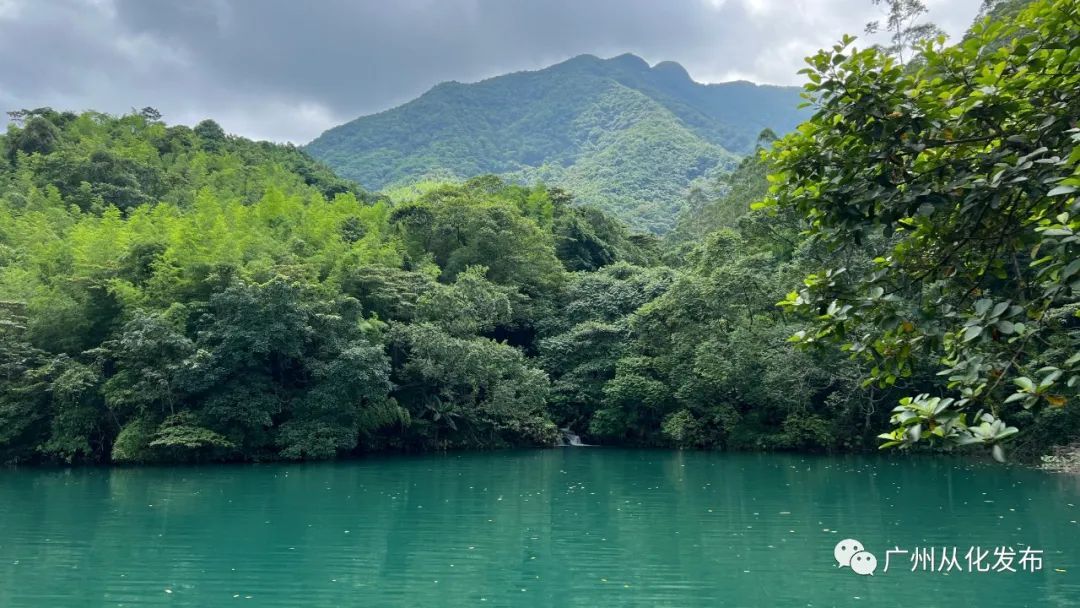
[{"x": 845, "y": 549}]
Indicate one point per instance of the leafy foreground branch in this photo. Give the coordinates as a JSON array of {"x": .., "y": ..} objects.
[{"x": 961, "y": 174}]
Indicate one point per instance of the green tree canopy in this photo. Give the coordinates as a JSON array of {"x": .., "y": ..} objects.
[{"x": 962, "y": 177}]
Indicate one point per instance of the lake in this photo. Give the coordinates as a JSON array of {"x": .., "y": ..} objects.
[{"x": 563, "y": 527}]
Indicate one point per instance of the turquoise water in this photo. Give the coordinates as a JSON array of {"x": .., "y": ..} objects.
[{"x": 565, "y": 527}]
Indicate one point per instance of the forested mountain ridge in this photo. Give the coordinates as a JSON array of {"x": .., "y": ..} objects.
[{"x": 619, "y": 134}]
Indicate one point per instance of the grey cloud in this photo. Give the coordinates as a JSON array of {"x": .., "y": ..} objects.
[{"x": 284, "y": 70}]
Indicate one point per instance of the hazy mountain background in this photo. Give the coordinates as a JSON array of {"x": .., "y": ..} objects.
[{"x": 617, "y": 133}]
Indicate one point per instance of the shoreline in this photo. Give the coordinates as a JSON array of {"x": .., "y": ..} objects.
[{"x": 1062, "y": 459}]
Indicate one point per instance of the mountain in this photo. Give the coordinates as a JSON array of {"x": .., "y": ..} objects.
[{"x": 617, "y": 133}]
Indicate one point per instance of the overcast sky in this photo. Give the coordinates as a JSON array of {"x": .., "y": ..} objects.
[{"x": 287, "y": 70}]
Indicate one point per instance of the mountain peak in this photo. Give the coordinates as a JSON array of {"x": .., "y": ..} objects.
[
  {"x": 672, "y": 71},
  {"x": 582, "y": 58},
  {"x": 625, "y": 61},
  {"x": 629, "y": 60}
]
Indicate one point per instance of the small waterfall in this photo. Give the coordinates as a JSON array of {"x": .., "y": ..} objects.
[{"x": 569, "y": 438}]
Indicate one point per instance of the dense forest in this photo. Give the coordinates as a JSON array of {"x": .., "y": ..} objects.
[{"x": 179, "y": 294}]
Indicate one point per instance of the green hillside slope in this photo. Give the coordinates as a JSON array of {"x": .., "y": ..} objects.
[{"x": 623, "y": 136}]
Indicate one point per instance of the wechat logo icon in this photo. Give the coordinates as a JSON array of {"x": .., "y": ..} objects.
[{"x": 850, "y": 553}]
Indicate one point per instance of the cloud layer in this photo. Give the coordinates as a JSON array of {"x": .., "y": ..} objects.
[{"x": 285, "y": 70}]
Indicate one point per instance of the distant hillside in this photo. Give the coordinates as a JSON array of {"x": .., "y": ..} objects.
[{"x": 619, "y": 134}]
